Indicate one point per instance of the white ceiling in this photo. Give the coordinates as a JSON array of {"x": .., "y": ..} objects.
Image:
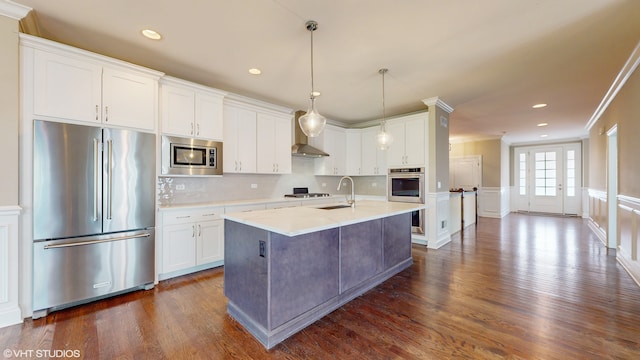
[{"x": 490, "y": 60}]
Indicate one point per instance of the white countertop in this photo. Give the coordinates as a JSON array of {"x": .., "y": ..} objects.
[
  {"x": 302, "y": 220},
  {"x": 335, "y": 198}
]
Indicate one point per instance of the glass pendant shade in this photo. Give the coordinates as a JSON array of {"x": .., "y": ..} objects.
[
  {"x": 312, "y": 123},
  {"x": 384, "y": 138}
]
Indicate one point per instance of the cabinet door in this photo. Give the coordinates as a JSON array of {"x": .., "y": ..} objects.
[
  {"x": 282, "y": 148},
  {"x": 208, "y": 116},
  {"x": 128, "y": 99},
  {"x": 178, "y": 247},
  {"x": 332, "y": 141},
  {"x": 177, "y": 111},
  {"x": 66, "y": 88},
  {"x": 415, "y": 141},
  {"x": 247, "y": 141},
  {"x": 353, "y": 152},
  {"x": 266, "y": 144},
  {"x": 369, "y": 151},
  {"x": 396, "y": 152},
  {"x": 240, "y": 140},
  {"x": 210, "y": 241}
]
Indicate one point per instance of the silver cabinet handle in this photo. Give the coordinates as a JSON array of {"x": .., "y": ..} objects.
[
  {"x": 95, "y": 241},
  {"x": 106, "y": 113},
  {"x": 97, "y": 112},
  {"x": 183, "y": 217},
  {"x": 199, "y": 229},
  {"x": 198, "y": 129},
  {"x": 109, "y": 178},
  {"x": 96, "y": 174},
  {"x": 193, "y": 230}
]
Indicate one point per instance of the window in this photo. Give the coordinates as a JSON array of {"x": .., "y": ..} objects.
[
  {"x": 523, "y": 173},
  {"x": 545, "y": 173},
  {"x": 571, "y": 173}
]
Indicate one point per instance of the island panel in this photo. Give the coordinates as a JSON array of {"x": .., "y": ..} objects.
[
  {"x": 304, "y": 273},
  {"x": 396, "y": 231},
  {"x": 245, "y": 271},
  {"x": 361, "y": 252}
]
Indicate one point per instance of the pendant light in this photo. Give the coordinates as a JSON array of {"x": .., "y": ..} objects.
[
  {"x": 384, "y": 138},
  {"x": 312, "y": 123}
]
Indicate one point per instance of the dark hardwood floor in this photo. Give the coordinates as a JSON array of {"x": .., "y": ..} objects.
[{"x": 528, "y": 287}]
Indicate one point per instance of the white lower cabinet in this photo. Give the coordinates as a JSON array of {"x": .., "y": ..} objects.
[{"x": 191, "y": 239}]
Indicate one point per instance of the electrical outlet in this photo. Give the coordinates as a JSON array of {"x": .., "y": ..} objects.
[
  {"x": 254, "y": 186},
  {"x": 180, "y": 187},
  {"x": 263, "y": 248}
]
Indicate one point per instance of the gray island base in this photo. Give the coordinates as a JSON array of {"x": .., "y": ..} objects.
[{"x": 278, "y": 284}]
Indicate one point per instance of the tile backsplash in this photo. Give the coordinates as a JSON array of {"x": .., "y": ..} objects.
[{"x": 194, "y": 190}]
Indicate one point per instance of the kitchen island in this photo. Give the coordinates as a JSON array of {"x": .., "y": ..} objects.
[{"x": 286, "y": 268}]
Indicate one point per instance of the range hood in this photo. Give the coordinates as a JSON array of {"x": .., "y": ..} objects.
[{"x": 301, "y": 147}]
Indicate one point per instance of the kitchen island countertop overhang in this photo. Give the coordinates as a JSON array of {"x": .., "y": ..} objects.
[
  {"x": 287, "y": 268},
  {"x": 302, "y": 220}
]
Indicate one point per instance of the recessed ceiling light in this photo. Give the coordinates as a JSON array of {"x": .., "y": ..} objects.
[
  {"x": 544, "y": 135},
  {"x": 538, "y": 106},
  {"x": 151, "y": 34},
  {"x": 255, "y": 71},
  {"x": 542, "y": 124}
]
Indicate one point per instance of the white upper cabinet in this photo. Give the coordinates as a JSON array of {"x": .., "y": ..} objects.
[
  {"x": 353, "y": 150},
  {"x": 373, "y": 159},
  {"x": 66, "y": 88},
  {"x": 332, "y": 140},
  {"x": 128, "y": 99},
  {"x": 69, "y": 84},
  {"x": 240, "y": 135},
  {"x": 273, "y": 144},
  {"x": 191, "y": 110},
  {"x": 409, "y": 139}
]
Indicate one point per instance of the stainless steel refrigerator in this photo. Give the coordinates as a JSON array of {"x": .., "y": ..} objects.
[{"x": 93, "y": 213}]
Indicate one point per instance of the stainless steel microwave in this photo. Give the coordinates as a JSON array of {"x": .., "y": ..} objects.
[{"x": 185, "y": 156}]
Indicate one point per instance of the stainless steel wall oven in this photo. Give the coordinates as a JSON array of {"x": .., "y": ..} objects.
[{"x": 407, "y": 185}]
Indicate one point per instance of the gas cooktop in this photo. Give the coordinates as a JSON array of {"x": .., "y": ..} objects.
[{"x": 303, "y": 192}]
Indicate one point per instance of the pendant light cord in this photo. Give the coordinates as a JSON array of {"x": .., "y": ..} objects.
[
  {"x": 383, "y": 107},
  {"x": 312, "y": 27}
]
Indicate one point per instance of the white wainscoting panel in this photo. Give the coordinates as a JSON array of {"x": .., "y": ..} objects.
[
  {"x": 493, "y": 202},
  {"x": 438, "y": 213},
  {"x": 628, "y": 235},
  {"x": 10, "y": 313},
  {"x": 598, "y": 214}
]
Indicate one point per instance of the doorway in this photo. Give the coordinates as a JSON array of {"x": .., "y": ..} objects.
[
  {"x": 548, "y": 178},
  {"x": 612, "y": 187}
]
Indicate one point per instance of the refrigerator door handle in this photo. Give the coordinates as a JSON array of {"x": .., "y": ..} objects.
[
  {"x": 109, "y": 179},
  {"x": 96, "y": 174},
  {"x": 90, "y": 242}
]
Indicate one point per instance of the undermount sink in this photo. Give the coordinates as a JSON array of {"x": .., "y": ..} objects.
[{"x": 332, "y": 207}]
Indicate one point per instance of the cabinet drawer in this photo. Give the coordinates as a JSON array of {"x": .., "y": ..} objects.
[{"x": 181, "y": 216}]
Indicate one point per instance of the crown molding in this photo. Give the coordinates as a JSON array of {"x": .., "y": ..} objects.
[
  {"x": 13, "y": 10},
  {"x": 624, "y": 74},
  {"x": 439, "y": 103}
]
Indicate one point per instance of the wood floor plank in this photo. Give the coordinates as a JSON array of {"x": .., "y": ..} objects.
[{"x": 521, "y": 287}]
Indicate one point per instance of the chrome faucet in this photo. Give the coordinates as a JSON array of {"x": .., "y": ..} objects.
[{"x": 351, "y": 201}]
